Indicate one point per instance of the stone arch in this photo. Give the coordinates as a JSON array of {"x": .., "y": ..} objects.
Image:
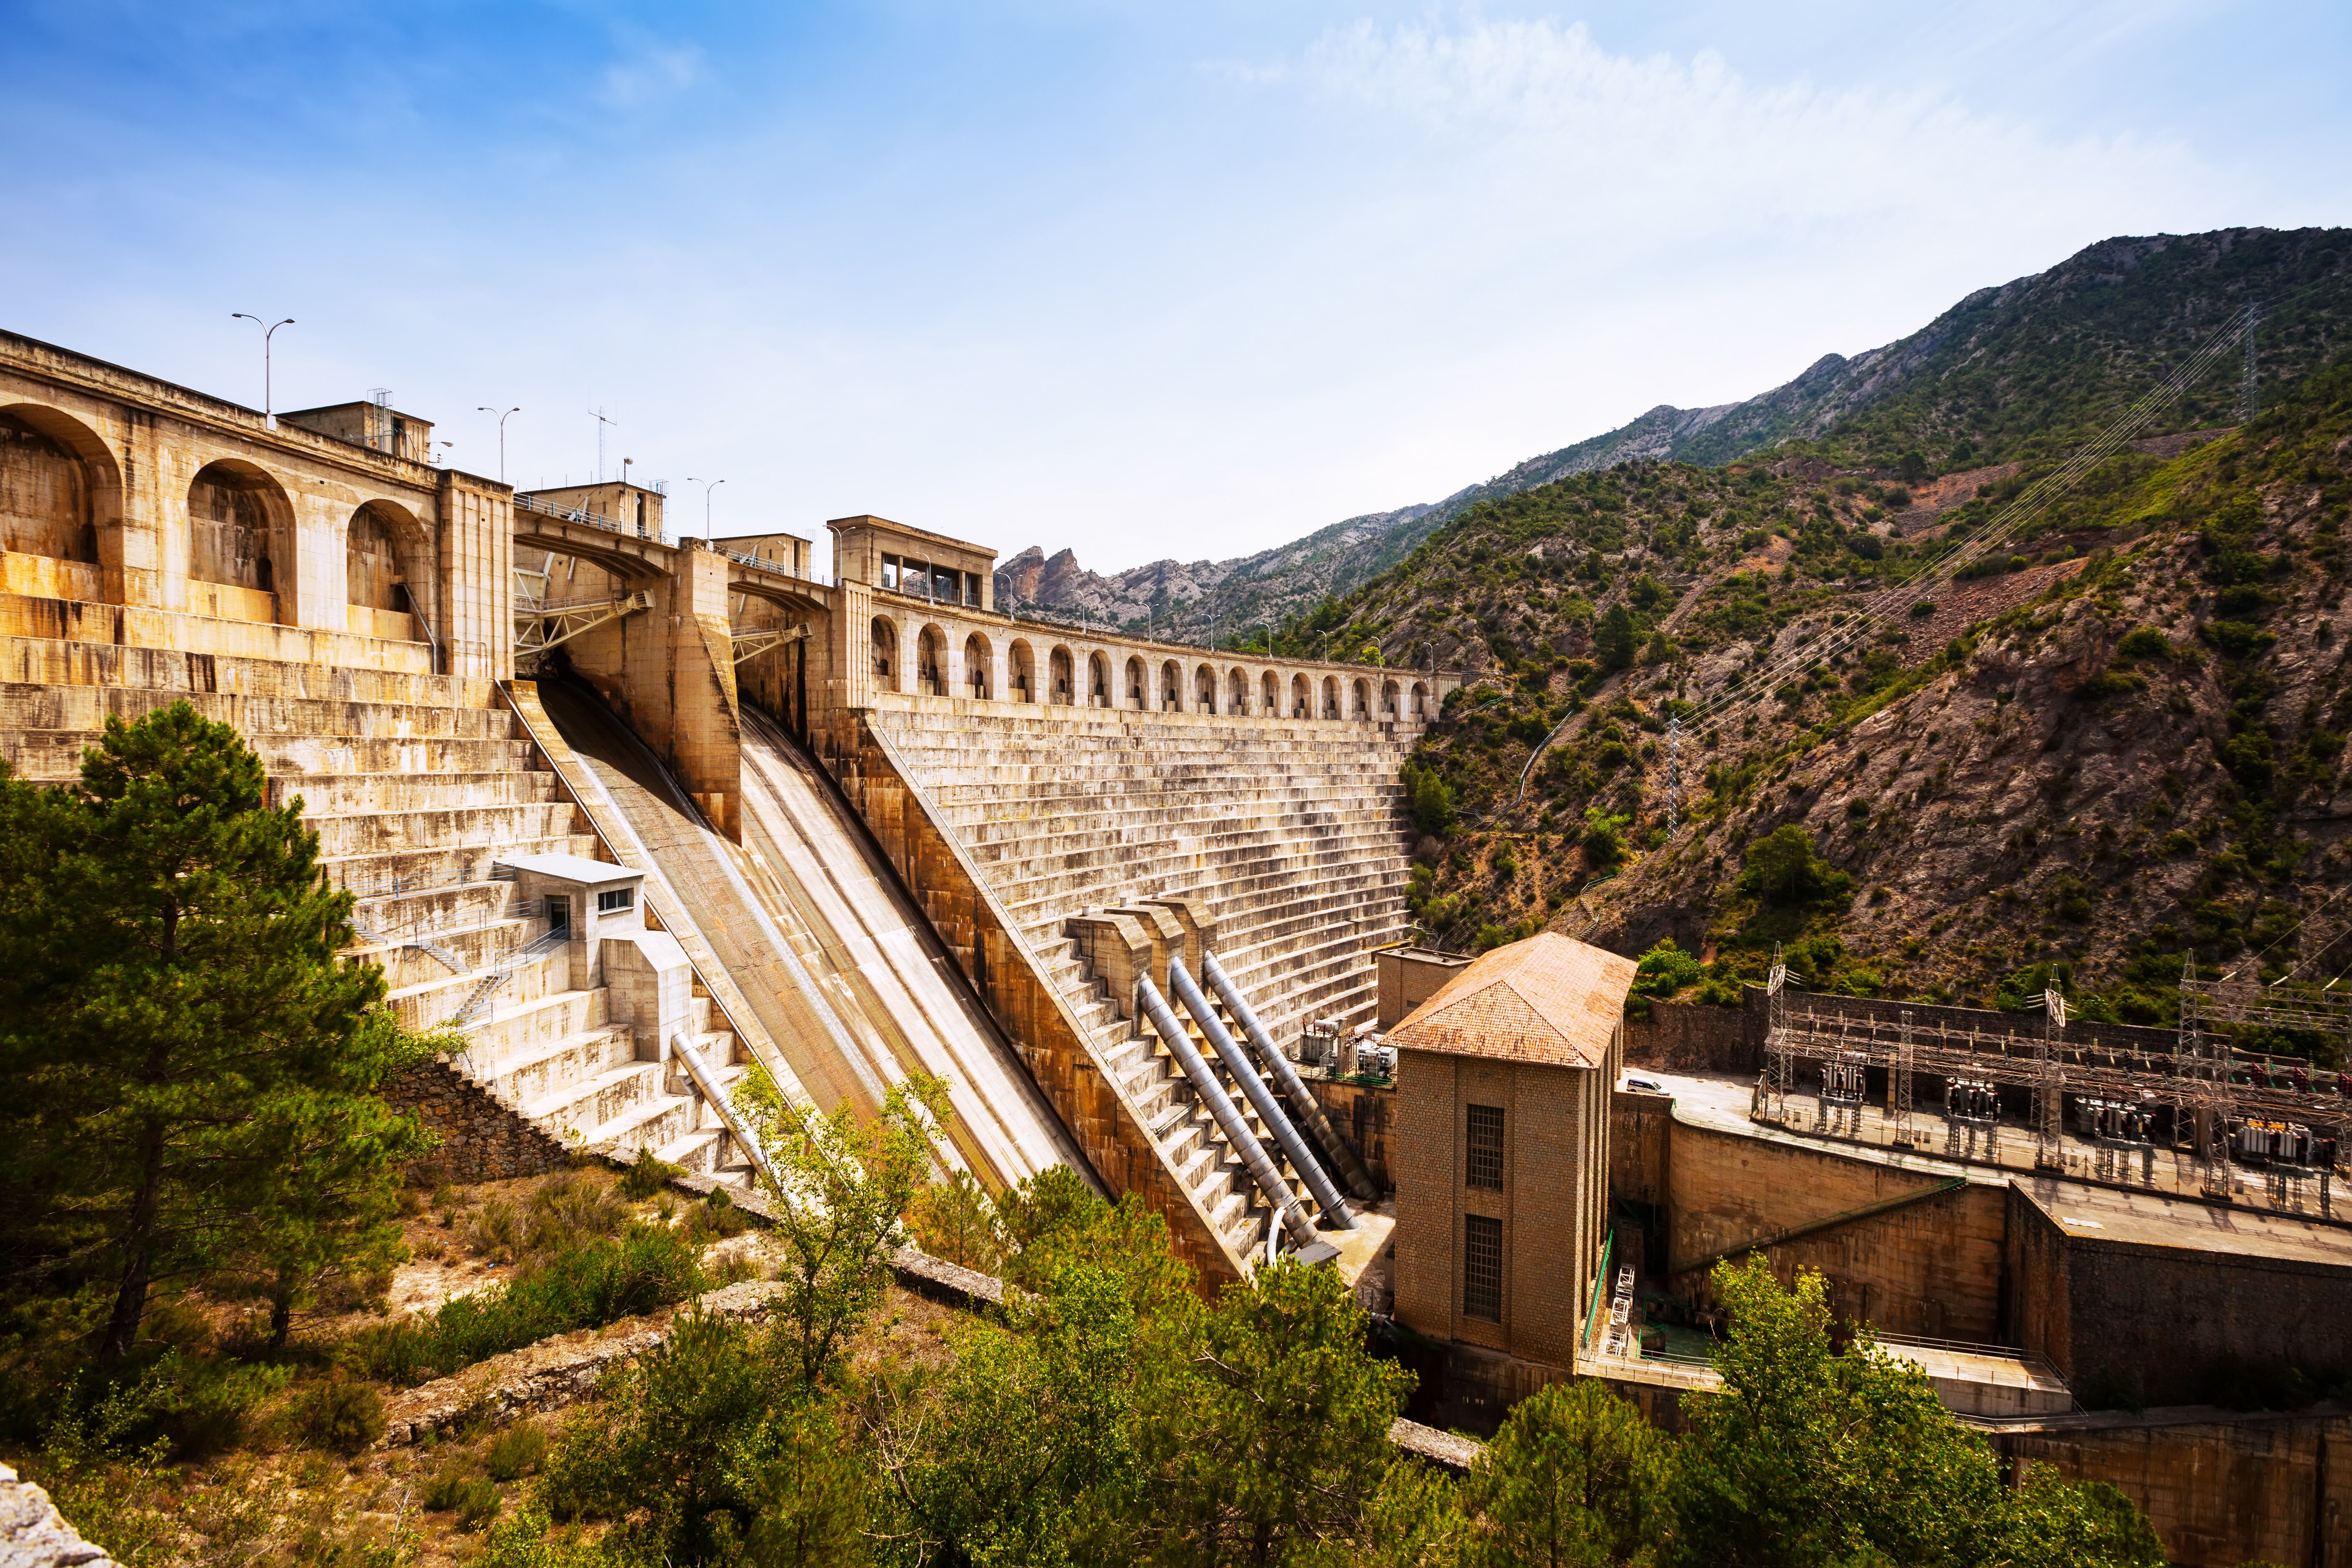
[
  {"x": 1419, "y": 701},
  {"x": 1330, "y": 697},
  {"x": 931, "y": 661},
  {"x": 241, "y": 538},
  {"x": 1135, "y": 695},
  {"x": 887, "y": 677},
  {"x": 1099, "y": 693},
  {"x": 61, "y": 497},
  {"x": 1019, "y": 672},
  {"x": 1204, "y": 689},
  {"x": 385, "y": 569},
  {"x": 977, "y": 658},
  {"x": 1389, "y": 700},
  {"x": 1270, "y": 694},
  {"x": 1302, "y": 698},
  {"x": 1237, "y": 691},
  {"x": 1060, "y": 676},
  {"x": 1171, "y": 687},
  {"x": 1360, "y": 699}
]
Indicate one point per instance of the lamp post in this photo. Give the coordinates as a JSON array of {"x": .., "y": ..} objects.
[
  {"x": 707, "y": 486},
  {"x": 486, "y": 408},
  {"x": 268, "y": 411}
]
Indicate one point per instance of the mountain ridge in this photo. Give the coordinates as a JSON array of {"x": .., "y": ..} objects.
[{"x": 2124, "y": 308}]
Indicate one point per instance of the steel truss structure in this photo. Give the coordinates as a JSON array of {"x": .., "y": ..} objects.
[{"x": 2216, "y": 1091}]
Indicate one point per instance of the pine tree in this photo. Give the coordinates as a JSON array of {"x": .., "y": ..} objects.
[{"x": 171, "y": 1010}]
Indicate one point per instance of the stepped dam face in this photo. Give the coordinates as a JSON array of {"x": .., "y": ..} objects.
[{"x": 634, "y": 812}]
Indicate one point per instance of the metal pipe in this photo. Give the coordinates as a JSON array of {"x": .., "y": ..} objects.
[
  {"x": 1309, "y": 1112},
  {"x": 1269, "y": 1109},
  {"x": 1221, "y": 1106},
  {"x": 706, "y": 1081}
]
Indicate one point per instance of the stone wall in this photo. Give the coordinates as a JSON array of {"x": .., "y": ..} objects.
[
  {"x": 1364, "y": 1115},
  {"x": 2221, "y": 1488},
  {"x": 482, "y": 1139},
  {"x": 1932, "y": 1268},
  {"x": 2168, "y": 1325},
  {"x": 985, "y": 943},
  {"x": 1681, "y": 1036}
]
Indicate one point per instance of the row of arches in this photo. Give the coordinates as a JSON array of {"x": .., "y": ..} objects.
[
  {"x": 61, "y": 497},
  {"x": 935, "y": 665}
]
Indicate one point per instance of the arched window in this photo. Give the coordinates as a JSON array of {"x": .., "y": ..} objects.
[
  {"x": 1204, "y": 689},
  {"x": 1098, "y": 681},
  {"x": 1330, "y": 697},
  {"x": 46, "y": 500},
  {"x": 1301, "y": 698},
  {"x": 1361, "y": 699},
  {"x": 1023, "y": 677},
  {"x": 240, "y": 539},
  {"x": 1419, "y": 701},
  {"x": 886, "y": 655},
  {"x": 1270, "y": 696},
  {"x": 1171, "y": 692},
  {"x": 1237, "y": 694},
  {"x": 1136, "y": 696},
  {"x": 1389, "y": 700},
  {"x": 975, "y": 668},
  {"x": 375, "y": 578},
  {"x": 930, "y": 661},
  {"x": 1059, "y": 676}
]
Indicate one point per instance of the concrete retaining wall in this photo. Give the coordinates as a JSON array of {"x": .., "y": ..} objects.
[{"x": 1682, "y": 1038}]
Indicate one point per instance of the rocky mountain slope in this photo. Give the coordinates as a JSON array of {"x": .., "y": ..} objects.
[
  {"x": 2007, "y": 372},
  {"x": 2119, "y": 744}
]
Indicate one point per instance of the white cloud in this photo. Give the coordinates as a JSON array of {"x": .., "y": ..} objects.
[
  {"x": 1659, "y": 134},
  {"x": 652, "y": 71}
]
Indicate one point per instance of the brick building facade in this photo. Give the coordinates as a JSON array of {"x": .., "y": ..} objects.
[{"x": 1500, "y": 1153}]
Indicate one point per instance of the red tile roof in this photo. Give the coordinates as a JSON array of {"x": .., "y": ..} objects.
[{"x": 1551, "y": 1000}]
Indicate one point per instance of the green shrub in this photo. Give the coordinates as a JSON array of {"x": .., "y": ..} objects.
[
  {"x": 1922, "y": 609},
  {"x": 1430, "y": 798},
  {"x": 2145, "y": 642},
  {"x": 517, "y": 1452},
  {"x": 648, "y": 1175},
  {"x": 1781, "y": 869},
  {"x": 472, "y": 1499},
  {"x": 1604, "y": 838},
  {"x": 603, "y": 1280},
  {"x": 339, "y": 1415}
]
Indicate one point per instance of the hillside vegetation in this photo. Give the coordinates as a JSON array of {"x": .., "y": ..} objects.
[
  {"x": 2009, "y": 373},
  {"x": 2119, "y": 744}
]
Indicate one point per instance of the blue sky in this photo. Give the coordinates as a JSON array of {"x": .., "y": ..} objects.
[{"x": 1178, "y": 279}]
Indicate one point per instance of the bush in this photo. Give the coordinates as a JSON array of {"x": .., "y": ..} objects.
[
  {"x": 339, "y": 1415},
  {"x": 1922, "y": 609},
  {"x": 1430, "y": 799},
  {"x": 606, "y": 1279},
  {"x": 516, "y": 1453},
  {"x": 648, "y": 1175},
  {"x": 1604, "y": 840},
  {"x": 1781, "y": 869},
  {"x": 2145, "y": 642},
  {"x": 472, "y": 1497}
]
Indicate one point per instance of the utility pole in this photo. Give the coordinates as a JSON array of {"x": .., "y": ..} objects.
[
  {"x": 486, "y": 408},
  {"x": 601, "y": 423},
  {"x": 269, "y": 406}
]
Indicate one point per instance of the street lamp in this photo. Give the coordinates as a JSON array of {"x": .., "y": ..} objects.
[
  {"x": 486, "y": 408},
  {"x": 707, "y": 486},
  {"x": 268, "y": 412}
]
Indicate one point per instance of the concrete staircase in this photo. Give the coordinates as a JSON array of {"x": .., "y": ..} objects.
[
  {"x": 415, "y": 783},
  {"x": 1173, "y": 1114},
  {"x": 1293, "y": 832}
]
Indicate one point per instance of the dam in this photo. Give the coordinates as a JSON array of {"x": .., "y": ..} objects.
[{"x": 632, "y": 812}]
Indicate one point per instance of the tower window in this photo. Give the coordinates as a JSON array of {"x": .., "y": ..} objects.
[
  {"x": 1482, "y": 1267},
  {"x": 1485, "y": 1149}
]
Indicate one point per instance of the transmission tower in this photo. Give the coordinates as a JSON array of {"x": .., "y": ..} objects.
[
  {"x": 2050, "y": 1085},
  {"x": 1674, "y": 773},
  {"x": 2250, "y": 396}
]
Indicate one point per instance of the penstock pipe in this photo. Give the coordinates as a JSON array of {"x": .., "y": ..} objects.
[
  {"x": 1229, "y": 1119},
  {"x": 1277, "y": 1065},
  {"x": 1269, "y": 1111}
]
